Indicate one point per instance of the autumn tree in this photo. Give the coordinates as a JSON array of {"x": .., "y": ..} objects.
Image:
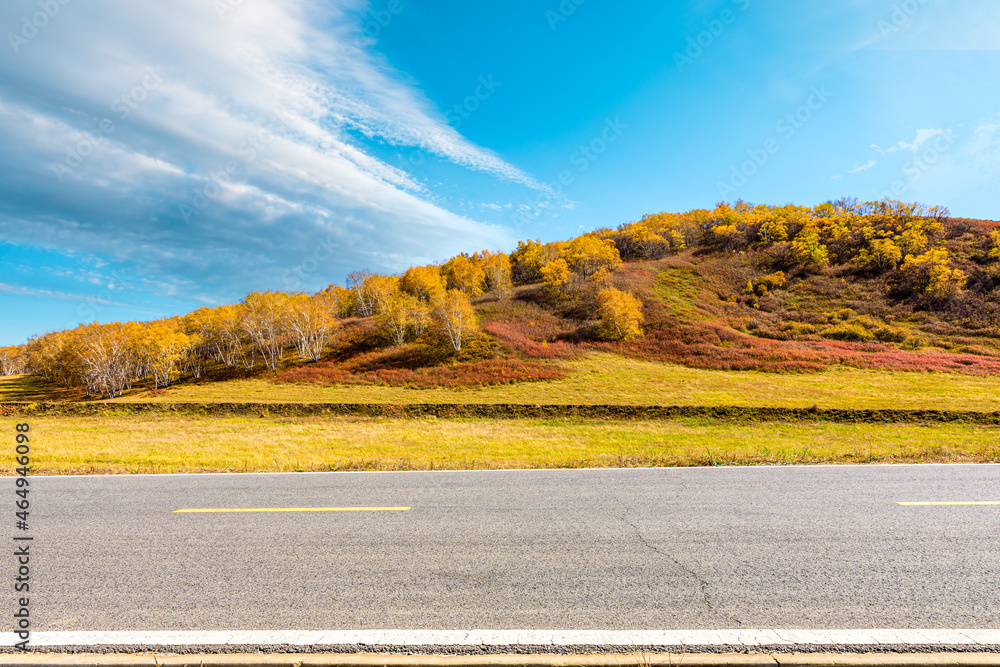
[
  {"x": 882, "y": 255},
  {"x": 454, "y": 317},
  {"x": 106, "y": 352},
  {"x": 11, "y": 360},
  {"x": 588, "y": 254},
  {"x": 364, "y": 304},
  {"x": 397, "y": 318},
  {"x": 420, "y": 316},
  {"x": 773, "y": 230},
  {"x": 423, "y": 282},
  {"x": 340, "y": 300},
  {"x": 620, "y": 313},
  {"x": 556, "y": 275},
  {"x": 465, "y": 274},
  {"x": 529, "y": 258},
  {"x": 380, "y": 290},
  {"x": 264, "y": 317},
  {"x": 158, "y": 349},
  {"x": 994, "y": 241},
  {"x": 222, "y": 335},
  {"x": 931, "y": 274},
  {"x": 311, "y": 322},
  {"x": 497, "y": 271},
  {"x": 809, "y": 251},
  {"x": 50, "y": 355}
]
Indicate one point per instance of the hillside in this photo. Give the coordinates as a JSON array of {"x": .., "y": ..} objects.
[{"x": 870, "y": 286}]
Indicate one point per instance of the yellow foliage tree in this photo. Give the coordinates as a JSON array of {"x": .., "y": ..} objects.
[
  {"x": 931, "y": 274},
  {"x": 454, "y": 317},
  {"x": 808, "y": 249},
  {"x": 466, "y": 274},
  {"x": 995, "y": 244},
  {"x": 397, "y": 318},
  {"x": 773, "y": 230},
  {"x": 620, "y": 313},
  {"x": 311, "y": 322},
  {"x": 264, "y": 319},
  {"x": 423, "y": 282},
  {"x": 556, "y": 275},
  {"x": 340, "y": 300},
  {"x": 380, "y": 290},
  {"x": 11, "y": 360},
  {"x": 159, "y": 347},
  {"x": 588, "y": 254},
  {"x": 882, "y": 254},
  {"x": 497, "y": 271},
  {"x": 529, "y": 258}
]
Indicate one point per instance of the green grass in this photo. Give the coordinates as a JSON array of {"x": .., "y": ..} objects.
[
  {"x": 678, "y": 290},
  {"x": 611, "y": 379},
  {"x": 165, "y": 444}
]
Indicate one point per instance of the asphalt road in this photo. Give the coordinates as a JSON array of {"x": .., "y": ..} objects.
[{"x": 800, "y": 547}]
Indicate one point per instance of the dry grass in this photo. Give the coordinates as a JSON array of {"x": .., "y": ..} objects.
[
  {"x": 610, "y": 379},
  {"x": 165, "y": 444}
]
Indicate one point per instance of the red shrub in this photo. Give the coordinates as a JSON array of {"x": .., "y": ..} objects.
[
  {"x": 473, "y": 374},
  {"x": 528, "y": 329}
]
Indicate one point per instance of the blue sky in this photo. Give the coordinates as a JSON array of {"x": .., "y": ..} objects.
[{"x": 156, "y": 157}]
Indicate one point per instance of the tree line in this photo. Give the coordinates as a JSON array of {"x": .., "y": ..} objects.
[
  {"x": 432, "y": 304},
  {"x": 428, "y": 304}
]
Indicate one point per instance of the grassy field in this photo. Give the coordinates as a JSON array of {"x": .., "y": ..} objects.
[
  {"x": 611, "y": 379},
  {"x": 164, "y": 444}
]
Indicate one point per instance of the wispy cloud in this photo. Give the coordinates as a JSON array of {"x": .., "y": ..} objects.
[
  {"x": 19, "y": 290},
  {"x": 862, "y": 167},
  {"x": 253, "y": 144},
  {"x": 919, "y": 140}
]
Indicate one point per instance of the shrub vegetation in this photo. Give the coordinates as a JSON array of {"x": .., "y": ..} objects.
[{"x": 880, "y": 285}]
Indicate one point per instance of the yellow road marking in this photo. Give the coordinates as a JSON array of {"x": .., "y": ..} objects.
[
  {"x": 950, "y": 502},
  {"x": 298, "y": 509}
]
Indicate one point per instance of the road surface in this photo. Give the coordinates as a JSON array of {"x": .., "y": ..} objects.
[{"x": 775, "y": 547}]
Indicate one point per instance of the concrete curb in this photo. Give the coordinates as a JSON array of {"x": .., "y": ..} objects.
[{"x": 620, "y": 660}]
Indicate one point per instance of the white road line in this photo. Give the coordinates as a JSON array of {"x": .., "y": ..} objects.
[
  {"x": 809, "y": 466},
  {"x": 638, "y": 638}
]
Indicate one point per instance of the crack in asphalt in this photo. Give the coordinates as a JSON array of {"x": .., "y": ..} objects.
[{"x": 702, "y": 583}]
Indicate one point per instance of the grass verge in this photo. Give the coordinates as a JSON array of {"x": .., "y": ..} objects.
[
  {"x": 610, "y": 379},
  {"x": 171, "y": 444}
]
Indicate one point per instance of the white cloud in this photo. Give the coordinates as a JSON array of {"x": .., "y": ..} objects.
[
  {"x": 295, "y": 110},
  {"x": 919, "y": 140},
  {"x": 20, "y": 290},
  {"x": 862, "y": 167}
]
